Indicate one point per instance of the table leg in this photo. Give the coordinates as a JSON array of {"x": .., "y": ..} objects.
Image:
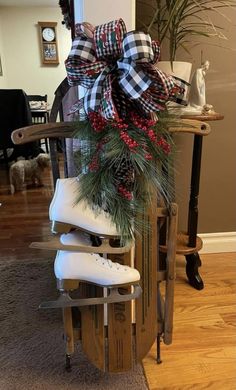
[{"x": 193, "y": 260}]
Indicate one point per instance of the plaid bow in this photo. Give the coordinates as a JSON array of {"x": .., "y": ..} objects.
[{"x": 117, "y": 69}]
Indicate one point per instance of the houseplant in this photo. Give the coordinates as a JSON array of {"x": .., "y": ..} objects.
[{"x": 181, "y": 22}]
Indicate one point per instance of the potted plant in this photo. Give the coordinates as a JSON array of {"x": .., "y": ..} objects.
[
  {"x": 179, "y": 23},
  {"x": 182, "y": 21}
]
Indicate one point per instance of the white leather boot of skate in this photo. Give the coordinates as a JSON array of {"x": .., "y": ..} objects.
[
  {"x": 66, "y": 214},
  {"x": 93, "y": 268}
]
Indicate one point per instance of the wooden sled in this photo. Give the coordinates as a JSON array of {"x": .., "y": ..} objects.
[{"x": 114, "y": 335}]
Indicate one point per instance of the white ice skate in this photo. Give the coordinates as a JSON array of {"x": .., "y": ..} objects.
[
  {"x": 66, "y": 214},
  {"x": 75, "y": 267}
]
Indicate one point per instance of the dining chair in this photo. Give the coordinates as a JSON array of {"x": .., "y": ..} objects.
[
  {"x": 38, "y": 106},
  {"x": 14, "y": 113},
  {"x": 39, "y": 112}
]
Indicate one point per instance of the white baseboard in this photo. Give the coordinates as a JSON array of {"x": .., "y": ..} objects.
[{"x": 218, "y": 242}]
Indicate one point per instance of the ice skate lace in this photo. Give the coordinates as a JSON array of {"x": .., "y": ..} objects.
[{"x": 109, "y": 263}]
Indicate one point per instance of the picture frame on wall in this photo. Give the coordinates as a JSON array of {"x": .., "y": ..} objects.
[{"x": 49, "y": 52}]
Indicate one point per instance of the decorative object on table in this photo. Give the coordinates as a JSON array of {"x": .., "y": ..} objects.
[
  {"x": 208, "y": 109},
  {"x": 123, "y": 149},
  {"x": 197, "y": 95},
  {"x": 38, "y": 105},
  {"x": 48, "y": 43},
  {"x": 24, "y": 171}
]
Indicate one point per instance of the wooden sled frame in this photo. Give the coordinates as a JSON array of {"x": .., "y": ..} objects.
[{"x": 151, "y": 316}]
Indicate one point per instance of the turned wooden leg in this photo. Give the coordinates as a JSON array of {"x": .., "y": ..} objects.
[
  {"x": 193, "y": 260},
  {"x": 193, "y": 263}
]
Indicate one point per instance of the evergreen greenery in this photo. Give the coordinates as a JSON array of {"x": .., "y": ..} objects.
[{"x": 121, "y": 162}]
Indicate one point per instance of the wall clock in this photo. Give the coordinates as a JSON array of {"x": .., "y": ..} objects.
[{"x": 48, "y": 42}]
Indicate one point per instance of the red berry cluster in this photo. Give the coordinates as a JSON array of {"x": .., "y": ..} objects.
[
  {"x": 151, "y": 135},
  {"x": 130, "y": 142},
  {"x": 97, "y": 121},
  {"x": 121, "y": 125},
  {"x": 145, "y": 124},
  {"x": 124, "y": 192},
  {"x": 94, "y": 165},
  {"x": 148, "y": 156},
  {"x": 141, "y": 123},
  {"x": 164, "y": 145}
]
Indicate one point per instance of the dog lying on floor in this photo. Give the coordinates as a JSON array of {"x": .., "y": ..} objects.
[{"x": 28, "y": 171}]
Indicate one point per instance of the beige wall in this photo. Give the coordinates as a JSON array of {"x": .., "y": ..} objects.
[
  {"x": 3, "y": 78},
  {"x": 217, "y": 200},
  {"x": 20, "y": 50},
  {"x": 107, "y": 10}
]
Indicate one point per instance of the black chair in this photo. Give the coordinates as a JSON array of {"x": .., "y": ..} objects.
[
  {"x": 39, "y": 112},
  {"x": 14, "y": 113}
]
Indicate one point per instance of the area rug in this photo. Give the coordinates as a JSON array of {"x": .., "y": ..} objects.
[{"x": 31, "y": 345}]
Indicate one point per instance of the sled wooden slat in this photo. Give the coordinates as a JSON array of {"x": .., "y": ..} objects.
[
  {"x": 45, "y": 130},
  {"x": 68, "y": 330},
  {"x": 67, "y": 129},
  {"x": 191, "y": 126},
  {"x": 146, "y": 306},
  {"x": 120, "y": 327},
  {"x": 92, "y": 328},
  {"x": 170, "y": 280}
]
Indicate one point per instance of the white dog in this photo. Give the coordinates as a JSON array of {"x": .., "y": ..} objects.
[{"x": 28, "y": 170}]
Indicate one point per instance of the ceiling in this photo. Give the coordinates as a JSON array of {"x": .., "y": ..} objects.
[{"x": 31, "y": 3}]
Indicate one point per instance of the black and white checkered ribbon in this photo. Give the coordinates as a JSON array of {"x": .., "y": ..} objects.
[{"x": 107, "y": 53}]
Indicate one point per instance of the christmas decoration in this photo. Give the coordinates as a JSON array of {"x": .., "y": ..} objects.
[
  {"x": 67, "y": 10},
  {"x": 124, "y": 152},
  {"x": 120, "y": 161}
]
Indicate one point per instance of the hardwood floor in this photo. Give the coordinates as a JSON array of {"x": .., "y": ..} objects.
[
  {"x": 23, "y": 219},
  {"x": 203, "y": 353}
]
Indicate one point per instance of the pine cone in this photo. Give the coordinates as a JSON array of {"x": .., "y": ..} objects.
[{"x": 124, "y": 174}]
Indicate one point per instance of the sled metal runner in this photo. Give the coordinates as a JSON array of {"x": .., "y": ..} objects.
[
  {"x": 105, "y": 247},
  {"x": 114, "y": 296}
]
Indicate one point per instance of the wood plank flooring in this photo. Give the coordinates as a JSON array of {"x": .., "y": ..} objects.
[
  {"x": 203, "y": 353},
  {"x": 23, "y": 219}
]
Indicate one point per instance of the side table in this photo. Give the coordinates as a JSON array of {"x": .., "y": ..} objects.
[{"x": 188, "y": 243}]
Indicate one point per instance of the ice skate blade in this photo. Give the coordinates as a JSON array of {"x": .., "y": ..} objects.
[
  {"x": 62, "y": 227},
  {"x": 114, "y": 296},
  {"x": 56, "y": 245}
]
